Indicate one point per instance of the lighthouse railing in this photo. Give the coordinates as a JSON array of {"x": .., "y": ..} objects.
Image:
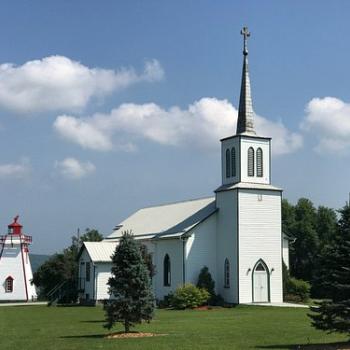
[{"x": 23, "y": 238}]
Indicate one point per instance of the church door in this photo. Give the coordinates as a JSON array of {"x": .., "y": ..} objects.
[{"x": 260, "y": 284}]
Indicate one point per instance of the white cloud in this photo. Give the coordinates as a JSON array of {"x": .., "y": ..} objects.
[
  {"x": 82, "y": 133},
  {"x": 15, "y": 170},
  {"x": 328, "y": 119},
  {"x": 201, "y": 125},
  {"x": 57, "y": 83},
  {"x": 72, "y": 168}
]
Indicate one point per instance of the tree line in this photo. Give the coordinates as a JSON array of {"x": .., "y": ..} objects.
[
  {"x": 310, "y": 230},
  {"x": 62, "y": 268},
  {"x": 320, "y": 254}
]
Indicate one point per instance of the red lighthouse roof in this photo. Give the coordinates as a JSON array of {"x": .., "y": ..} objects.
[{"x": 15, "y": 228}]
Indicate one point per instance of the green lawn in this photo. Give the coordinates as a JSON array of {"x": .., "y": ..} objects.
[{"x": 243, "y": 327}]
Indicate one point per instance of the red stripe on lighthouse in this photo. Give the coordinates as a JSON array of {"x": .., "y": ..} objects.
[{"x": 24, "y": 272}]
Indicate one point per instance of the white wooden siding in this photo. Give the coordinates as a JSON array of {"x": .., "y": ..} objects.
[
  {"x": 260, "y": 238},
  {"x": 285, "y": 249},
  {"x": 226, "y": 247},
  {"x": 89, "y": 286},
  {"x": 172, "y": 247},
  {"x": 103, "y": 273},
  {"x": 201, "y": 250}
]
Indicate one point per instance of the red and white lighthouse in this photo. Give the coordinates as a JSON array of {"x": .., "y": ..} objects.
[{"x": 15, "y": 268}]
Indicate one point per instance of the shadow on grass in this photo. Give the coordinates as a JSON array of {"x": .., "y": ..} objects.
[
  {"x": 328, "y": 346},
  {"x": 86, "y": 336},
  {"x": 94, "y": 321}
]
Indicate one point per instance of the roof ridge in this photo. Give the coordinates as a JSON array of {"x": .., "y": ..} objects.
[{"x": 176, "y": 202}]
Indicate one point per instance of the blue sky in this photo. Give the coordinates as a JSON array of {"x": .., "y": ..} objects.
[{"x": 108, "y": 106}]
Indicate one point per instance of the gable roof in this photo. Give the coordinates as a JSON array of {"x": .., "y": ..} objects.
[
  {"x": 99, "y": 251},
  {"x": 166, "y": 220}
]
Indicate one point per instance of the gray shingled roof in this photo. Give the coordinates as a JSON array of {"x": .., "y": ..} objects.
[{"x": 168, "y": 220}]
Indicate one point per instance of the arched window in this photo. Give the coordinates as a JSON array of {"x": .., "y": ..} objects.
[
  {"x": 259, "y": 162},
  {"x": 233, "y": 162},
  {"x": 251, "y": 161},
  {"x": 227, "y": 274},
  {"x": 9, "y": 284},
  {"x": 167, "y": 271},
  {"x": 260, "y": 267},
  {"x": 228, "y": 161}
]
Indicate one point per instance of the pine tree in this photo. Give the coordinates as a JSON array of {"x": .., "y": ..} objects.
[
  {"x": 334, "y": 277},
  {"x": 206, "y": 281},
  {"x": 130, "y": 287}
]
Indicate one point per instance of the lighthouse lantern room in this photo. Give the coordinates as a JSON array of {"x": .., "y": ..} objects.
[{"x": 15, "y": 268}]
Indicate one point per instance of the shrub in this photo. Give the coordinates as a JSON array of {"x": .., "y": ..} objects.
[
  {"x": 217, "y": 300},
  {"x": 206, "y": 281},
  {"x": 294, "y": 290},
  {"x": 189, "y": 296},
  {"x": 297, "y": 290}
]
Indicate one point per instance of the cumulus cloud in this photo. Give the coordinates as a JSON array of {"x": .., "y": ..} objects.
[
  {"x": 15, "y": 170},
  {"x": 57, "y": 83},
  {"x": 83, "y": 133},
  {"x": 201, "y": 125},
  {"x": 328, "y": 119},
  {"x": 73, "y": 169}
]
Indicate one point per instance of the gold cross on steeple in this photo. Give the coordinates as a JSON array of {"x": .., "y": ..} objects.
[{"x": 246, "y": 34}]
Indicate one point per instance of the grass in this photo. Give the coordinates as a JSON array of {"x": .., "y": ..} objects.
[{"x": 243, "y": 327}]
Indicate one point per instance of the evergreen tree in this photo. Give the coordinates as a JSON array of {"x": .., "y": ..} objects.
[
  {"x": 206, "y": 281},
  {"x": 327, "y": 231},
  {"x": 334, "y": 277},
  {"x": 129, "y": 286},
  {"x": 147, "y": 258}
]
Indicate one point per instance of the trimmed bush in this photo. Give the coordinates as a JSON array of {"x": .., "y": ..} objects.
[
  {"x": 206, "y": 281},
  {"x": 189, "y": 296}
]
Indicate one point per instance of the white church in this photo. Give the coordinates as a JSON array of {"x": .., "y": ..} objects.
[{"x": 236, "y": 233}]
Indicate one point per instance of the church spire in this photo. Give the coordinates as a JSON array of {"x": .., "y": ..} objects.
[{"x": 245, "y": 121}]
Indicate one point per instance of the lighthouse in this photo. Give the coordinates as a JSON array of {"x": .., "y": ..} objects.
[{"x": 15, "y": 268}]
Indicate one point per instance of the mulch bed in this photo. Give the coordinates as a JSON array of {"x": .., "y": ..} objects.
[
  {"x": 122, "y": 335},
  {"x": 205, "y": 307}
]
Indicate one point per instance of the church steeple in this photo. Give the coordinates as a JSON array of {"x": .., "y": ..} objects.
[
  {"x": 245, "y": 121},
  {"x": 245, "y": 156}
]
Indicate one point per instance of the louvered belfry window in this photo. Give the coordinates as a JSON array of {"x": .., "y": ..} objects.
[
  {"x": 233, "y": 162},
  {"x": 251, "y": 161},
  {"x": 228, "y": 163},
  {"x": 259, "y": 162}
]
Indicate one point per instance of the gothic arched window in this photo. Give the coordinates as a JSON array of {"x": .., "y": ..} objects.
[
  {"x": 259, "y": 162},
  {"x": 227, "y": 274},
  {"x": 228, "y": 162},
  {"x": 233, "y": 162},
  {"x": 9, "y": 284},
  {"x": 251, "y": 161},
  {"x": 167, "y": 271}
]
